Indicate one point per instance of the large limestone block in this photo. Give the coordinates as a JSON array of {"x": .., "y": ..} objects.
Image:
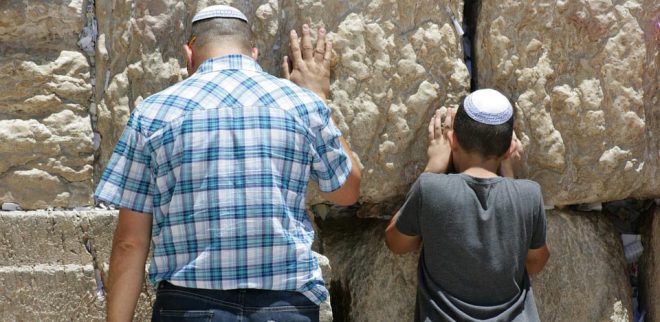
[
  {"x": 46, "y": 24},
  {"x": 586, "y": 277},
  {"x": 396, "y": 62},
  {"x": 42, "y": 237},
  {"x": 56, "y": 293},
  {"x": 46, "y": 138},
  {"x": 583, "y": 75},
  {"x": 49, "y": 293},
  {"x": 649, "y": 268},
  {"x": 369, "y": 283}
]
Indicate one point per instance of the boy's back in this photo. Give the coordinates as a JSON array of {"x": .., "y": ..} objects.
[{"x": 476, "y": 235}]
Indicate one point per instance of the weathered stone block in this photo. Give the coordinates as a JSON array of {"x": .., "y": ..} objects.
[
  {"x": 46, "y": 139},
  {"x": 57, "y": 293},
  {"x": 49, "y": 293},
  {"x": 48, "y": 24},
  {"x": 583, "y": 75},
  {"x": 28, "y": 238},
  {"x": 586, "y": 277}
]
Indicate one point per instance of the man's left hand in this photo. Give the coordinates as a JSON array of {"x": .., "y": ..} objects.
[{"x": 310, "y": 67}]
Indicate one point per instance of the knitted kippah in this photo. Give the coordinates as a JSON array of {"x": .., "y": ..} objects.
[
  {"x": 219, "y": 11},
  {"x": 488, "y": 106}
]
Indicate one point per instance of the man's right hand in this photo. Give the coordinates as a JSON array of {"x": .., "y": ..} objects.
[{"x": 310, "y": 67}]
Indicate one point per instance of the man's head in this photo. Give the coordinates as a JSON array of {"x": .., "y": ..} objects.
[
  {"x": 218, "y": 30},
  {"x": 484, "y": 124}
]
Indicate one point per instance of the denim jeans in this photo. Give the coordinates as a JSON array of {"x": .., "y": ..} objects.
[{"x": 174, "y": 303}]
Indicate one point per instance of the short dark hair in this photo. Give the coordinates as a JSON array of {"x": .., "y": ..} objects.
[
  {"x": 484, "y": 139},
  {"x": 222, "y": 29}
]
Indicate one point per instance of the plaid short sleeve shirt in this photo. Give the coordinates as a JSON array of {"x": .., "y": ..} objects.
[{"x": 222, "y": 161}]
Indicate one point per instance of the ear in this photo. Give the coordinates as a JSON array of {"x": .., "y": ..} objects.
[
  {"x": 453, "y": 142},
  {"x": 255, "y": 53},
  {"x": 189, "y": 59}
]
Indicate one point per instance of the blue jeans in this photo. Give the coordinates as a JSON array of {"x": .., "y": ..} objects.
[{"x": 174, "y": 303}]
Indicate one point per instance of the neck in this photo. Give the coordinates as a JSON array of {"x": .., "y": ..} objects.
[
  {"x": 216, "y": 51},
  {"x": 476, "y": 165}
]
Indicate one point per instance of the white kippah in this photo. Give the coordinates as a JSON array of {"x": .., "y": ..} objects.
[
  {"x": 488, "y": 106},
  {"x": 219, "y": 11}
]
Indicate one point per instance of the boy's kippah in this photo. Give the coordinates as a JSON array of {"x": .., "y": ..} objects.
[
  {"x": 488, "y": 106},
  {"x": 219, "y": 11}
]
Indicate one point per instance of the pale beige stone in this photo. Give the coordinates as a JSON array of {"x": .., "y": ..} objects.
[
  {"x": 586, "y": 277},
  {"x": 583, "y": 75},
  {"x": 44, "y": 99},
  {"x": 46, "y": 24}
]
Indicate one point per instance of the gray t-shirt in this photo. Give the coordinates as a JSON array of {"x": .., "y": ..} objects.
[{"x": 476, "y": 234}]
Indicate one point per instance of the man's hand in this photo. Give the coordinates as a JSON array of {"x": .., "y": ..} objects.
[
  {"x": 310, "y": 66},
  {"x": 511, "y": 165},
  {"x": 439, "y": 150}
]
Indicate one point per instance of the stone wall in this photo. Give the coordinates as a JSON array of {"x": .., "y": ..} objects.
[{"x": 582, "y": 74}]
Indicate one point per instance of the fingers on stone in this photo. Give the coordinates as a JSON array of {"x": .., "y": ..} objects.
[
  {"x": 307, "y": 48},
  {"x": 295, "y": 49}
]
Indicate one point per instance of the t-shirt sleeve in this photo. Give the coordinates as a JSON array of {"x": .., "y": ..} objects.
[
  {"x": 538, "y": 235},
  {"x": 126, "y": 181},
  {"x": 408, "y": 221},
  {"x": 331, "y": 164}
]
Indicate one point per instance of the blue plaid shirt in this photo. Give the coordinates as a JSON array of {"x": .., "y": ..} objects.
[{"x": 222, "y": 161}]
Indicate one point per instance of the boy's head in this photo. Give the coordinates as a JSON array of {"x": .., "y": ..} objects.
[{"x": 484, "y": 123}]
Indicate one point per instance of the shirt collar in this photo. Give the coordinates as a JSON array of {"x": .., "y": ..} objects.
[{"x": 233, "y": 61}]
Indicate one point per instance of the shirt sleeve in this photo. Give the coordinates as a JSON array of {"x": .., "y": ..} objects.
[
  {"x": 538, "y": 235},
  {"x": 126, "y": 181},
  {"x": 408, "y": 221},
  {"x": 331, "y": 164}
]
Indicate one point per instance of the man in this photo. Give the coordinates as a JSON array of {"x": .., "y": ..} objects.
[{"x": 213, "y": 172}]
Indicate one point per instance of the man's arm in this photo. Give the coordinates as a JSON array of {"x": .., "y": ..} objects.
[
  {"x": 349, "y": 193},
  {"x": 398, "y": 242},
  {"x": 310, "y": 68},
  {"x": 536, "y": 259},
  {"x": 130, "y": 247}
]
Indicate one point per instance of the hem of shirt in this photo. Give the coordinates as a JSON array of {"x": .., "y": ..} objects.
[
  {"x": 315, "y": 294},
  {"x": 404, "y": 231},
  {"x": 120, "y": 204}
]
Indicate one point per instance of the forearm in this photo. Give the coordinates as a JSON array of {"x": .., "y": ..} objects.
[
  {"x": 125, "y": 281},
  {"x": 536, "y": 259},
  {"x": 130, "y": 247}
]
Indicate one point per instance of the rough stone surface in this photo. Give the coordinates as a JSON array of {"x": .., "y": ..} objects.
[
  {"x": 46, "y": 151},
  {"x": 649, "y": 268},
  {"x": 51, "y": 257},
  {"x": 396, "y": 62},
  {"x": 585, "y": 279},
  {"x": 584, "y": 77},
  {"x": 49, "y": 293}
]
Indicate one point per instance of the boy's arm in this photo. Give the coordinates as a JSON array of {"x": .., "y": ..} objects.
[
  {"x": 398, "y": 242},
  {"x": 536, "y": 259}
]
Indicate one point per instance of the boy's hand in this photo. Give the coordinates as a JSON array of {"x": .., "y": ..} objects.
[
  {"x": 439, "y": 150},
  {"x": 511, "y": 165},
  {"x": 309, "y": 66}
]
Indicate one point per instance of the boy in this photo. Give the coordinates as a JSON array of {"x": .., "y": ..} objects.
[{"x": 483, "y": 234}]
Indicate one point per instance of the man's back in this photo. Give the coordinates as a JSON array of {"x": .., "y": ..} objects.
[
  {"x": 476, "y": 235},
  {"x": 231, "y": 150}
]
